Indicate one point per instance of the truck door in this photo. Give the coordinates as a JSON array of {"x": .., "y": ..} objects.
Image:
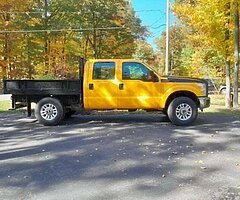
[
  {"x": 139, "y": 87},
  {"x": 101, "y": 87}
]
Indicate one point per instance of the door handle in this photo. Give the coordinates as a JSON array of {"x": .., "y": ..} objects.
[
  {"x": 91, "y": 86},
  {"x": 121, "y": 86}
]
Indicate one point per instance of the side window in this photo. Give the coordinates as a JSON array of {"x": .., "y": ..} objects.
[
  {"x": 103, "y": 70},
  {"x": 134, "y": 71}
]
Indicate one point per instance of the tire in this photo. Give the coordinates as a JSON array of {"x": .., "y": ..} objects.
[
  {"x": 182, "y": 111},
  {"x": 223, "y": 91},
  {"x": 49, "y": 111}
]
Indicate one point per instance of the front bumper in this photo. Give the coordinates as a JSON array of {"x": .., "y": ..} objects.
[{"x": 204, "y": 102}]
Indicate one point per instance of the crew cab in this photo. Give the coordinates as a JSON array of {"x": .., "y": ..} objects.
[{"x": 111, "y": 84}]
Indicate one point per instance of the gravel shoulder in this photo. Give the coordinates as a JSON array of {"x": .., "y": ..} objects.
[{"x": 123, "y": 156}]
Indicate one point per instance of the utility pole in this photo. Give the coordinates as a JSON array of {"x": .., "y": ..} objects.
[{"x": 167, "y": 68}]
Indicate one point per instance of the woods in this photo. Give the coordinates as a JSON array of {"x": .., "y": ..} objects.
[
  {"x": 213, "y": 36},
  {"x": 45, "y": 38}
]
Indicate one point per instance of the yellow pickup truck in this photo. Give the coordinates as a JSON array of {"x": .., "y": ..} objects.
[{"x": 112, "y": 84}]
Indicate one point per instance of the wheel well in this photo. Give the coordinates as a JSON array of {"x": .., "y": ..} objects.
[
  {"x": 181, "y": 94},
  {"x": 64, "y": 99}
]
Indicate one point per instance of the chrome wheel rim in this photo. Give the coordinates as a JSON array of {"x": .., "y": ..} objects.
[
  {"x": 184, "y": 112},
  {"x": 48, "y": 112}
]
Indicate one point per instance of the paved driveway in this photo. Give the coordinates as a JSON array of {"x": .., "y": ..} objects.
[{"x": 120, "y": 157}]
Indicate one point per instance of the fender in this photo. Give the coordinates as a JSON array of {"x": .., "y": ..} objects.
[{"x": 172, "y": 88}]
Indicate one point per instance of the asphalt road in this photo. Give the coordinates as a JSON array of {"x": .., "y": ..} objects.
[{"x": 122, "y": 157}]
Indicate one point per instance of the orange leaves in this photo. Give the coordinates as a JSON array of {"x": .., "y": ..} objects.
[
  {"x": 51, "y": 53},
  {"x": 33, "y": 22}
]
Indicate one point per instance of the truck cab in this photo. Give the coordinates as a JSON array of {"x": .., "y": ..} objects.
[{"x": 125, "y": 84}]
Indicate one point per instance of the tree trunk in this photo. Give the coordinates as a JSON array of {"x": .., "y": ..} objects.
[
  {"x": 236, "y": 56},
  {"x": 30, "y": 72},
  {"x": 7, "y": 48},
  {"x": 46, "y": 39},
  {"x": 228, "y": 100}
]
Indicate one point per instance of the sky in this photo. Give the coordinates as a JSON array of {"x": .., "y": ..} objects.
[{"x": 154, "y": 19}]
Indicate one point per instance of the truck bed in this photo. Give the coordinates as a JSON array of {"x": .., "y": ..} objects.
[
  {"x": 42, "y": 87},
  {"x": 24, "y": 92}
]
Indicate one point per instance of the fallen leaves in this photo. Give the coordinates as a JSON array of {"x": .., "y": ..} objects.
[{"x": 202, "y": 164}]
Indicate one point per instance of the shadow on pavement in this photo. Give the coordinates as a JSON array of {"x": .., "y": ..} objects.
[{"x": 111, "y": 156}]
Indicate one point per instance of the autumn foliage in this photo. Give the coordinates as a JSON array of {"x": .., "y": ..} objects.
[{"x": 46, "y": 38}]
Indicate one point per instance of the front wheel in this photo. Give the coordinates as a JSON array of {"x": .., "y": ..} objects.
[
  {"x": 49, "y": 111},
  {"x": 182, "y": 111}
]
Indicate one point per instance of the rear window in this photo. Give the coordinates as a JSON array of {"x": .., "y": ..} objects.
[{"x": 103, "y": 70}]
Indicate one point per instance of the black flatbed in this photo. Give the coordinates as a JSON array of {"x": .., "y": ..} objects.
[
  {"x": 42, "y": 87},
  {"x": 24, "y": 92}
]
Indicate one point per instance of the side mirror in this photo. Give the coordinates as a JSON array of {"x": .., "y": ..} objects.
[{"x": 152, "y": 77}]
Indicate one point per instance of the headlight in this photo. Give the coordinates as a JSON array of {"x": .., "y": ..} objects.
[{"x": 203, "y": 88}]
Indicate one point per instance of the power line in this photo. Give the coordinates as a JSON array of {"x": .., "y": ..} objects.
[
  {"x": 61, "y": 30},
  {"x": 160, "y": 26},
  {"x": 64, "y": 12},
  {"x": 156, "y": 34},
  {"x": 155, "y": 22},
  {"x": 75, "y": 29}
]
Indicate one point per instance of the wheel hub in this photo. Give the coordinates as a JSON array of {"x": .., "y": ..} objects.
[
  {"x": 48, "y": 111},
  {"x": 184, "y": 112}
]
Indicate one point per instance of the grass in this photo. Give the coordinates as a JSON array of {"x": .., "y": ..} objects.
[
  {"x": 218, "y": 106},
  {"x": 5, "y": 105}
]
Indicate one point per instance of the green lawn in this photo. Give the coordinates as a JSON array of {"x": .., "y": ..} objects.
[
  {"x": 218, "y": 106},
  {"x": 5, "y": 105}
]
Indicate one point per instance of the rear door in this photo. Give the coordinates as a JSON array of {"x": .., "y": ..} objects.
[{"x": 101, "y": 88}]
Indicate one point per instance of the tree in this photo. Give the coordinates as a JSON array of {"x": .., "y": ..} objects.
[
  {"x": 190, "y": 56},
  {"x": 145, "y": 52},
  {"x": 178, "y": 43},
  {"x": 9, "y": 60},
  {"x": 210, "y": 21},
  {"x": 53, "y": 34}
]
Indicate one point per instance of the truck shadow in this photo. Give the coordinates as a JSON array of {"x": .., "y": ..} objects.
[{"x": 116, "y": 118}]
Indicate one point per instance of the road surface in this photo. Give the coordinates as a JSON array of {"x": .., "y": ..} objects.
[{"x": 122, "y": 157}]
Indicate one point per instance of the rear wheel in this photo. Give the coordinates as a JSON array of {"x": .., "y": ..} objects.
[
  {"x": 49, "y": 111},
  {"x": 182, "y": 111}
]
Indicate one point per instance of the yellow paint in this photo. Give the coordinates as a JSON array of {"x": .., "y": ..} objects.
[
  {"x": 136, "y": 94},
  {"x": 104, "y": 94},
  {"x": 171, "y": 87}
]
